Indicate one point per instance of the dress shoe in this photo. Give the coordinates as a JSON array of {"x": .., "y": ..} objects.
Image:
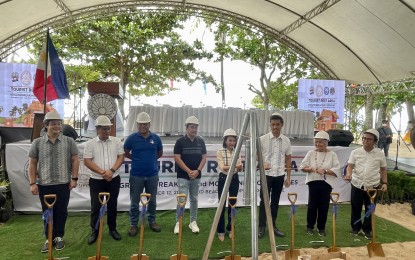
[
  {"x": 114, "y": 233},
  {"x": 155, "y": 227},
  {"x": 93, "y": 237},
  {"x": 133, "y": 231},
  {"x": 278, "y": 233},
  {"x": 261, "y": 232}
]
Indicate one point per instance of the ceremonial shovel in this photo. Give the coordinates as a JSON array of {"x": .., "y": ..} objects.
[
  {"x": 233, "y": 256},
  {"x": 181, "y": 205},
  {"x": 50, "y": 222},
  {"x": 334, "y": 196},
  {"x": 103, "y": 199},
  {"x": 141, "y": 256},
  {"x": 292, "y": 253},
  {"x": 373, "y": 248}
]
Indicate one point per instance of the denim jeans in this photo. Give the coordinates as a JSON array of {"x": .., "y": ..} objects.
[
  {"x": 191, "y": 189},
  {"x": 137, "y": 186}
]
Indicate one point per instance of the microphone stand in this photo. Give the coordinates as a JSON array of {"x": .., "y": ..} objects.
[{"x": 398, "y": 141}]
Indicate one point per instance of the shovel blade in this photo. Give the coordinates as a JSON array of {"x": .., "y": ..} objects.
[
  {"x": 375, "y": 249},
  {"x": 142, "y": 257},
  {"x": 292, "y": 254},
  {"x": 235, "y": 257},
  {"x": 333, "y": 249},
  {"x": 179, "y": 257},
  {"x": 98, "y": 258}
]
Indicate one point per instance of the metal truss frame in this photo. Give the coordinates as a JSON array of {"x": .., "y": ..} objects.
[
  {"x": 70, "y": 17},
  {"x": 384, "y": 88}
]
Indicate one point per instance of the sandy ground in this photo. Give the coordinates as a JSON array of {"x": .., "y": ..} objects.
[{"x": 398, "y": 213}]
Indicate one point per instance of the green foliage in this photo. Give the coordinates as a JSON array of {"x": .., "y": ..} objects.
[
  {"x": 280, "y": 67},
  {"x": 140, "y": 50},
  {"x": 401, "y": 187},
  {"x": 25, "y": 233}
]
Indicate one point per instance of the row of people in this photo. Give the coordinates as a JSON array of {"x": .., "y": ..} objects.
[{"x": 54, "y": 163}]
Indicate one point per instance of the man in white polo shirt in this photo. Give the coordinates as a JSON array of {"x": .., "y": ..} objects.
[
  {"x": 103, "y": 156},
  {"x": 365, "y": 169},
  {"x": 276, "y": 153}
]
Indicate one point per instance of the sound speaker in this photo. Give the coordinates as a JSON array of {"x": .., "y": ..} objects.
[{"x": 340, "y": 137}]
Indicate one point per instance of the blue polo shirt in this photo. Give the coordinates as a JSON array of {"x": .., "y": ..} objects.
[{"x": 143, "y": 154}]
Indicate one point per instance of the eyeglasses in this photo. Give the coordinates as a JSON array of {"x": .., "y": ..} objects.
[
  {"x": 105, "y": 128},
  {"x": 367, "y": 139}
]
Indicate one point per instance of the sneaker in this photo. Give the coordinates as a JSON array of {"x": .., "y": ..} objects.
[
  {"x": 354, "y": 233},
  {"x": 176, "y": 228},
  {"x": 310, "y": 231},
  {"x": 193, "y": 226},
  {"x": 45, "y": 247},
  {"x": 59, "y": 243},
  {"x": 133, "y": 231},
  {"x": 322, "y": 233},
  {"x": 368, "y": 234}
]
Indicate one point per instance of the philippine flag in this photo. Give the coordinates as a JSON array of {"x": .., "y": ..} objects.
[{"x": 57, "y": 87}]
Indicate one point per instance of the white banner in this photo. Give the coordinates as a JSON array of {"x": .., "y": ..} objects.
[
  {"x": 23, "y": 200},
  {"x": 316, "y": 94}
]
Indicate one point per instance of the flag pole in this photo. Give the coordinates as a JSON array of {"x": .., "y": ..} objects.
[{"x": 46, "y": 72}]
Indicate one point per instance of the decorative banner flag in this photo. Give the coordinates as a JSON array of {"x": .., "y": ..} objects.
[{"x": 57, "y": 87}]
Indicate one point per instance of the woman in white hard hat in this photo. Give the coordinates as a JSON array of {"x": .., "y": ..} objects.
[
  {"x": 224, "y": 158},
  {"x": 322, "y": 167}
]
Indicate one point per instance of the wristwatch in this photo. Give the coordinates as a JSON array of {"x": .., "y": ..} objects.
[
  {"x": 112, "y": 169},
  {"x": 75, "y": 178}
]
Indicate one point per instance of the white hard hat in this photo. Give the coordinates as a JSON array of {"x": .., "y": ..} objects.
[
  {"x": 373, "y": 132},
  {"x": 229, "y": 132},
  {"x": 322, "y": 135},
  {"x": 143, "y": 117},
  {"x": 192, "y": 120},
  {"x": 52, "y": 115},
  {"x": 102, "y": 121},
  {"x": 276, "y": 114}
]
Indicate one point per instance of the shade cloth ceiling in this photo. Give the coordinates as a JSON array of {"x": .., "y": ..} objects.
[{"x": 360, "y": 41}]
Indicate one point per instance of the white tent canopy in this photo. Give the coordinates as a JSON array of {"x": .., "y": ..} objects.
[{"x": 360, "y": 41}]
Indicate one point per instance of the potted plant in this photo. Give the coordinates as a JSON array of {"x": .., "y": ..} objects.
[{"x": 4, "y": 184}]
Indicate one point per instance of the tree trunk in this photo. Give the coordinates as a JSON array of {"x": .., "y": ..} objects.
[
  {"x": 381, "y": 115},
  {"x": 369, "y": 112},
  {"x": 410, "y": 110}
]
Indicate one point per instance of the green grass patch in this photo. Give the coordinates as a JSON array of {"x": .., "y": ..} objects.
[{"x": 22, "y": 236}]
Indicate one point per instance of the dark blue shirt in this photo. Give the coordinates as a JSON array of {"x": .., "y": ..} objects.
[
  {"x": 144, "y": 154},
  {"x": 191, "y": 154}
]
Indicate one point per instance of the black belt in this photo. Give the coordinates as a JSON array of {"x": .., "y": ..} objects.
[
  {"x": 236, "y": 173},
  {"x": 373, "y": 187}
]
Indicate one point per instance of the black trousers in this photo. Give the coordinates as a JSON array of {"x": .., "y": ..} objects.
[
  {"x": 318, "y": 204},
  {"x": 275, "y": 185},
  {"x": 60, "y": 209},
  {"x": 233, "y": 192},
  {"x": 358, "y": 198},
  {"x": 113, "y": 188}
]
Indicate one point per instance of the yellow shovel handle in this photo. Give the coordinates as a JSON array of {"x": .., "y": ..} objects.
[
  {"x": 145, "y": 195},
  {"x": 292, "y": 197},
  {"x": 181, "y": 199},
  {"x": 49, "y": 196},
  {"x": 334, "y": 196},
  {"x": 104, "y": 197}
]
